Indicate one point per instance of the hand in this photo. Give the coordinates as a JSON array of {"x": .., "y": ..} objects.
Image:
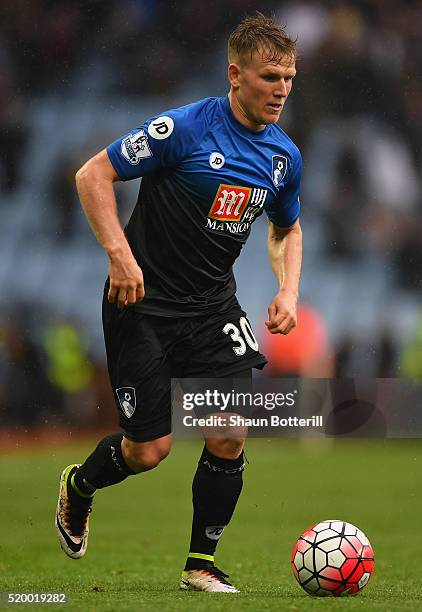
[
  {"x": 282, "y": 316},
  {"x": 126, "y": 281}
]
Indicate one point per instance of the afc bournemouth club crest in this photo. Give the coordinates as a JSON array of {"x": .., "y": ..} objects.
[
  {"x": 279, "y": 169},
  {"x": 127, "y": 400}
]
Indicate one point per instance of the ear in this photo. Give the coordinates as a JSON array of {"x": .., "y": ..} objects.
[{"x": 233, "y": 74}]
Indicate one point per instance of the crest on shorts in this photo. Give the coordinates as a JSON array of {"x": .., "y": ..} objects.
[
  {"x": 127, "y": 400},
  {"x": 279, "y": 169}
]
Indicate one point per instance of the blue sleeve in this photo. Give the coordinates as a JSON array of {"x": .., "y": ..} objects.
[
  {"x": 160, "y": 142},
  {"x": 285, "y": 209}
]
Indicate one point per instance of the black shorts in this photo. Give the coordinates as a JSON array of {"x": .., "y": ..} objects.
[{"x": 144, "y": 352}]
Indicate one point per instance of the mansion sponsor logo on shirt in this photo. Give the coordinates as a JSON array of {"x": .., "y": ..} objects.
[{"x": 235, "y": 208}]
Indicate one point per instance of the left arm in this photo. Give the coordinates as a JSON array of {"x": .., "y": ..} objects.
[{"x": 285, "y": 254}]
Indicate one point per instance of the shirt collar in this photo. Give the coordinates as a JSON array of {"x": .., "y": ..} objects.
[{"x": 239, "y": 127}]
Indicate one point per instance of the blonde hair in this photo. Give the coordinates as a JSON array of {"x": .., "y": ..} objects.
[{"x": 260, "y": 33}]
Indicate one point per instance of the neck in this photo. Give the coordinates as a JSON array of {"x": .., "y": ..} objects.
[{"x": 241, "y": 115}]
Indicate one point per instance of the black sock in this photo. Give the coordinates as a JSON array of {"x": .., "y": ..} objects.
[
  {"x": 104, "y": 467},
  {"x": 215, "y": 490}
]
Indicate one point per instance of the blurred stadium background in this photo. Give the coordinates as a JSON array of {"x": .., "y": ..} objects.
[{"x": 75, "y": 75}]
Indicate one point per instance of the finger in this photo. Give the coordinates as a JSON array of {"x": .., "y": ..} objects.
[
  {"x": 121, "y": 298},
  {"x": 276, "y": 330},
  {"x": 271, "y": 312},
  {"x": 278, "y": 319},
  {"x": 274, "y": 317},
  {"x": 131, "y": 296},
  {"x": 285, "y": 327},
  {"x": 291, "y": 327},
  {"x": 278, "y": 327},
  {"x": 140, "y": 292},
  {"x": 112, "y": 293}
]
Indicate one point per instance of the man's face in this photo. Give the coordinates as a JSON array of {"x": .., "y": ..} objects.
[{"x": 260, "y": 89}]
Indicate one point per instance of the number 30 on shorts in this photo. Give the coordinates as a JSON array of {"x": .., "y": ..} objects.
[{"x": 240, "y": 335}]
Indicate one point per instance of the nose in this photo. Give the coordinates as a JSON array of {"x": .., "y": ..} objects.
[{"x": 281, "y": 91}]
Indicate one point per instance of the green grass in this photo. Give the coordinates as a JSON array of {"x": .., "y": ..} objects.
[{"x": 140, "y": 528}]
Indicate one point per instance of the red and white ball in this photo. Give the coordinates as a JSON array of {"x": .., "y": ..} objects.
[{"x": 332, "y": 558}]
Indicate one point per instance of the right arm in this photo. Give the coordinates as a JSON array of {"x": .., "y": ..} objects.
[{"x": 94, "y": 182}]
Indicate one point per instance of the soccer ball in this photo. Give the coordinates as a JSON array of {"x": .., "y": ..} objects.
[{"x": 332, "y": 558}]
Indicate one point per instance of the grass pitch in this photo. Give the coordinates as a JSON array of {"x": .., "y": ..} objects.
[{"x": 140, "y": 528}]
